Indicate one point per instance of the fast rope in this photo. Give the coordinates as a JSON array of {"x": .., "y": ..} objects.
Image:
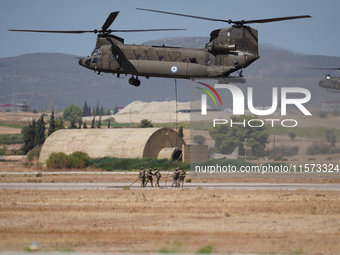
[
  {"x": 176, "y": 112},
  {"x": 134, "y": 181}
]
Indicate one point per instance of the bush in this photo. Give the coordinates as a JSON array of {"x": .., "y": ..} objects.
[
  {"x": 3, "y": 150},
  {"x": 199, "y": 139},
  {"x": 57, "y": 160},
  {"x": 284, "y": 150},
  {"x": 321, "y": 148},
  {"x": 77, "y": 159},
  {"x": 130, "y": 164}
]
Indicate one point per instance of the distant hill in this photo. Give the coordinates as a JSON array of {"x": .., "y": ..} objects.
[{"x": 54, "y": 79}]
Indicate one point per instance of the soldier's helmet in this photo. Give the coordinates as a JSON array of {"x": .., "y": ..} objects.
[
  {"x": 142, "y": 168},
  {"x": 155, "y": 168}
]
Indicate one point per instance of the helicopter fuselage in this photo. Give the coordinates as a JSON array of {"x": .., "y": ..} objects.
[
  {"x": 330, "y": 83},
  {"x": 225, "y": 53}
]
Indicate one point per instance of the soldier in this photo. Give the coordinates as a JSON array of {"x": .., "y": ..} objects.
[
  {"x": 142, "y": 177},
  {"x": 175, "y": 177},
  {"x": 181, "y": 177},
  {"x": 158, "y": 176},
  {"x": 149, "y": 177}
]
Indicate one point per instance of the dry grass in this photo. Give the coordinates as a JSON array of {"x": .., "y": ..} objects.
[{"x": 172, "y": 220}]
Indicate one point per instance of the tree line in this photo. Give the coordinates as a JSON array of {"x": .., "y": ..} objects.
[{"x": 97, "y": 111}]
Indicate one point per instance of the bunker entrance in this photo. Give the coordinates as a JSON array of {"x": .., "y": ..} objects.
[{"x": 177, "y": 156}]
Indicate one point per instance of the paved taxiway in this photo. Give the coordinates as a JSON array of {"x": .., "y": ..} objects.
[{"x": 227, "y": 186}]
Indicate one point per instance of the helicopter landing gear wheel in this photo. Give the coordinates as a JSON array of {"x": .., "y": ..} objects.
[{"x": 135, "y": 82}]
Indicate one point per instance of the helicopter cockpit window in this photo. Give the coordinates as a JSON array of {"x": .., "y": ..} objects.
[{"x": 96, "y": 52}]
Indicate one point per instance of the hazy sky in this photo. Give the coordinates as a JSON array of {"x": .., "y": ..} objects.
[{"x": 319, "y": 35}]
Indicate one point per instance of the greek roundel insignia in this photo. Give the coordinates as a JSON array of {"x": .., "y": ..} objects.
[{"x": 174, "y": 69}]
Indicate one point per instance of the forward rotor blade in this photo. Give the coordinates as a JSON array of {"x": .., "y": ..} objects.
[
  {"x": 185, "y": 15},
  {"x": 323, "y": 68},
  {"x": 109, "y": 20},
  {"x": 55, "y": 31},
  {"x": 144, "y": 30}
]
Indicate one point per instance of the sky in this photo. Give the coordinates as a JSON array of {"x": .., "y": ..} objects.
[{"x": 319, "y": 35}]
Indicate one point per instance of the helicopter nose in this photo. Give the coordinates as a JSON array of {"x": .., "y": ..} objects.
[{"x": 80, "y": 62}]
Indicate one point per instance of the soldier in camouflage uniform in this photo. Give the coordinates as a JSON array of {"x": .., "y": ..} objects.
[
  {"x": 142, "y": 177},
  {"x": 175, "y": 177},
  {"x": 149, "y": 177},
  {"x": 158, "y": 176},
  {"x": 181, "y": 177}
]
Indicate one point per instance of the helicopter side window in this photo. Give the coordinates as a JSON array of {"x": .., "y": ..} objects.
[
  {"x": 139, "y": 57},
  {"x": 193, "y": 60},
  {"x": 207, "y": 61},
  {"x": 96, "y": 52},
  {"x": 161, "y": 58}
]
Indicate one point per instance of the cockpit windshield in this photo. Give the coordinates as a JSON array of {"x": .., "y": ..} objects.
[{"x": 96, "y": 52}]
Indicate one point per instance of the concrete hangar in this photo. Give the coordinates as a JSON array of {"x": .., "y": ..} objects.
[{"x": 120, "y": 143}]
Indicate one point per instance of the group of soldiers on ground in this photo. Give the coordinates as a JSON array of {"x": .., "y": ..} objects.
[{"x": 146, "y": 176}]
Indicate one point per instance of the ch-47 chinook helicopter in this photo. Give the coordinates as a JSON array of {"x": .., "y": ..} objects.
[
  {"x": 331, "y": 84},
  {"x": 229, "y": 50}
]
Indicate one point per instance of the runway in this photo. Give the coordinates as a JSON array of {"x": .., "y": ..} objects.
[{"x": 224, "y": 186}]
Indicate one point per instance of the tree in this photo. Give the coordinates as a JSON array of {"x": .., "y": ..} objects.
[
  {"x": 29, "y": 134},
  {"x": 72, "y": 124},
  {"x": 292, "y": 135},
  {"x": 145, "y": 123},
  {"x": 59, "y": 124},
  {"x": 39, "y": 137},
  {"x": 331, "y": 138},
  {"x": 86, "y": 110},
  {"x": 180, "y": 131},
  {"x": 72, "y": 112},
  {"x": 227, "y": 137},
  {"x": 199, "y": 139},
  {"x": 97, "y": 112},
  {"x": 80, "y": 123},
  {"x": 85, "y": 126},
  {"x": 51, "y": 122},
  {"x": 99, "y": 122},
  {"x": 94, "y": 119}
]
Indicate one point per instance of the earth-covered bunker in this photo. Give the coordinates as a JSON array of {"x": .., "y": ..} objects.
[{"x": 119, "y": 142}]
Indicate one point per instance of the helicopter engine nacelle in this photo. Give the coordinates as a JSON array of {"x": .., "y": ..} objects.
[{"x": 219, "y": 47}]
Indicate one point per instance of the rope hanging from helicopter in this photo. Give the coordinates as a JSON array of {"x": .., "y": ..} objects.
[{"x": 176, "y": 122}]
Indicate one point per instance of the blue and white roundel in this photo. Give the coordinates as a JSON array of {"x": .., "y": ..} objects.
[{"x": 174, "y": 69}]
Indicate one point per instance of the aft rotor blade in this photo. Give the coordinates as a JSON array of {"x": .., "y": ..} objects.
[
  {"x": 272, "y": 19},
  {"x": 185, "y": 15},
  {"x": 240, "y": 22},
  {"x": 109, "y": 20},
  {"x": 55, "y": 31}
]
